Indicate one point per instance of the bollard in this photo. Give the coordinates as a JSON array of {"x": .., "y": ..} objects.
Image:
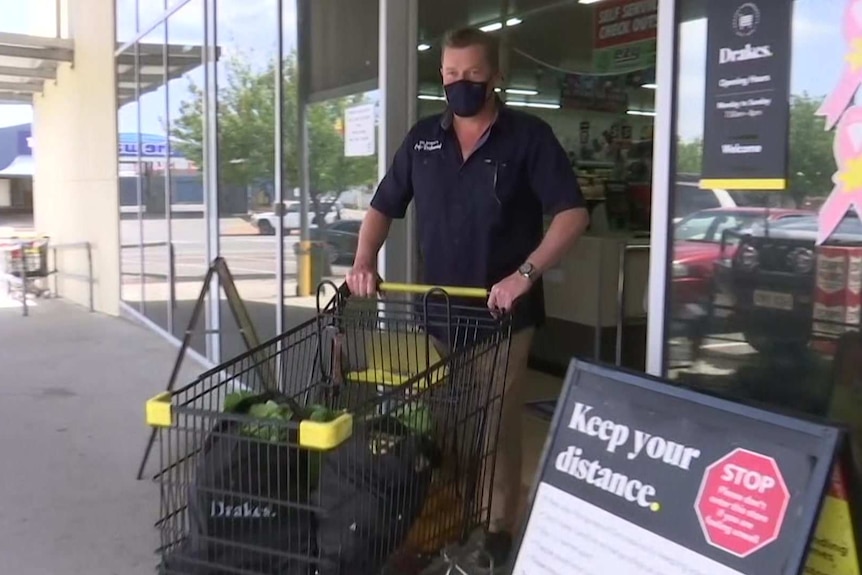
[{"x": 313, "y": 266}]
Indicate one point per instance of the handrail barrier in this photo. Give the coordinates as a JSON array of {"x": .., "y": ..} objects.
[
  {"x": 625, "y": 250},
  {"x": 88, "y": 277},
  {"x": 169, "y": 278}
]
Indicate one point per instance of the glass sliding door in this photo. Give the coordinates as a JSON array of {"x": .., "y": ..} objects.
[{"x": 756, "y": 309}]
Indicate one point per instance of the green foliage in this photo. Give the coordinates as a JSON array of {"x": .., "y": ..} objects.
[
  {"x": 812, "y": 162},
  {"x": 689, "y": 156},
  {"x": 246, "y": 112}
]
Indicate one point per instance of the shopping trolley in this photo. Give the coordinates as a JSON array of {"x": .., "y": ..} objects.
[
  {"x": 26, "y": 264},
  {"x": 375, "y": 453}
]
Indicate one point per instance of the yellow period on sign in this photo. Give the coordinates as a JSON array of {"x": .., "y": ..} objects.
[{"x": 833, "y": 548}]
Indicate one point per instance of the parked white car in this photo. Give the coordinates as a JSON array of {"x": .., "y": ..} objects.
[{"x": 267, "y": 222}]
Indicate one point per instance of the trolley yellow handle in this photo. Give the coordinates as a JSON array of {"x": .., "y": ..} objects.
[{"x": 465, "y": 292}]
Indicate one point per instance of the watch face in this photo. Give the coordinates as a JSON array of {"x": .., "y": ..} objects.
[{"x": 526, "y": 270}]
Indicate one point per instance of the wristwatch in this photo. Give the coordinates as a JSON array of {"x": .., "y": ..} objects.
[{"x": 528, "y": 270}]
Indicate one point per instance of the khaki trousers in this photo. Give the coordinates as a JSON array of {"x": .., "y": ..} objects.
[{"x": 504, "y": 485}]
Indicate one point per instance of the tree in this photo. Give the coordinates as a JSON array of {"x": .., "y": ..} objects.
[
  {"x": 812, "y": 162},
  {"x": 246, "y": 112},
  {"x": 689, "y": 156}
]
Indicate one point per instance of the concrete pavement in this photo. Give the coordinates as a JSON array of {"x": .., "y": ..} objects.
[{"x": 72, "y": 433}]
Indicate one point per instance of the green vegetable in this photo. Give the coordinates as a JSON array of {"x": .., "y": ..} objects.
[
  {"x": 321, "y": 414},
  {"x": 232, "y": 400},
  {"x": 416, "y": 416},
  {"x": 272, "y": 410}
]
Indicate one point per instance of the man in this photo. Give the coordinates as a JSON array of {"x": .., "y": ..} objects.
[{"x": 482, "y": 176}]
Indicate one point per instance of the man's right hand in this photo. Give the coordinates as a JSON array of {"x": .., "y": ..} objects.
[{"x": 362, "y": 281}]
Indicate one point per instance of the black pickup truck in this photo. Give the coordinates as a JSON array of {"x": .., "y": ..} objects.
[{"x": 766, "y": 278}]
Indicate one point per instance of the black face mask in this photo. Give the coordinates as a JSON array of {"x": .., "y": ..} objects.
[{"x": 466, "y": 98}]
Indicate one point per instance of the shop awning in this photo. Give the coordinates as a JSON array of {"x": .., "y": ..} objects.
[
  {"x": 21, "y": 166},
  {"x": 152, "y": 61},
  {"x": 26, "y": 62}
]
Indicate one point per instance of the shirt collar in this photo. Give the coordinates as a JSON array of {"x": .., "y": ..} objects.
[{"x": 502, "y": 112}]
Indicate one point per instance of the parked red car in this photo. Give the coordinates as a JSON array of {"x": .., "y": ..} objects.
[{"x": 697, "y": 246}]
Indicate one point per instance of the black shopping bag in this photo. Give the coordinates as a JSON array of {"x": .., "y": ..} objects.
[
  {"x": 242, "y": 509},
  {"x": 372, "y": 489}
]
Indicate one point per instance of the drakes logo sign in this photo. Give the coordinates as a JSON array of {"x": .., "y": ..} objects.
[
  {"x": 745, "y": 19},
  {"x": 218, "y": 509},
  {"x": 728, "y": 55}
]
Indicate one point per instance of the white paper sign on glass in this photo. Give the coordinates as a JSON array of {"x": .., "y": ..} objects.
[{"x": 360, "y": 131}]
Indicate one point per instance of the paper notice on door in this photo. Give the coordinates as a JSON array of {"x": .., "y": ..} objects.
[{"x": 360, "y": 131}]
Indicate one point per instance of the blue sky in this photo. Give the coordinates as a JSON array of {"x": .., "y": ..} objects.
[{"x": 247, "y": 26}]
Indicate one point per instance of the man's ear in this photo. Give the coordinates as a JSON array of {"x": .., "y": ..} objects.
[{"x": 498, "y": 80}]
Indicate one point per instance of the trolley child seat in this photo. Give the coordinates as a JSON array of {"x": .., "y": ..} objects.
[{"x": 356, "y": 443}]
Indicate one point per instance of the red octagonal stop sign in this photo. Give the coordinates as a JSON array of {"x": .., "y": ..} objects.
[{"x": 742, "y": 502}]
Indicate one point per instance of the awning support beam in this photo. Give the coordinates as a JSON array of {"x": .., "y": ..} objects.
[
  {"x": 42, "y": 72},
  {"x": 54, "y": 54},
  {"x": 5, "y": 98},
  {"x": 23, "y": 87}
]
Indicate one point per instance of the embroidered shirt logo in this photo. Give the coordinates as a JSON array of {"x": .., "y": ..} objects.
[{"x": 428, "y": 145}]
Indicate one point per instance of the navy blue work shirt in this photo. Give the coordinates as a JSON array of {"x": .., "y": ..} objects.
[{"x": 479, "y": 221}]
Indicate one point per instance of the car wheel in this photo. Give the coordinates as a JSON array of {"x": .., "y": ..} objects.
[{"x": 265, "y": 228}]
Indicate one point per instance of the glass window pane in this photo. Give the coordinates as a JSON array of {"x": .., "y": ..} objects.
[
  {"x": 246, "y": 101},
  {"x": 188, "y": 229},
  {"x": 341, "y": 63},
  {"x": 153, "y": 154},
  {"x": 128, "y": 171},
  {"x": 149, "y": 12},
  {"x": 766, "y": 314},
  {"x": 127, "y": 20}
]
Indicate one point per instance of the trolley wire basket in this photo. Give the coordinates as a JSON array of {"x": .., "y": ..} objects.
[
  {"x": 360, "y": 442},
  {"x": 28, "y": 259}
]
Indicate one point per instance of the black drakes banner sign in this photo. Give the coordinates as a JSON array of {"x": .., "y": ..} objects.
[
  {"x": 641, "y": 477},
  {"x": 747, "y": 108}
]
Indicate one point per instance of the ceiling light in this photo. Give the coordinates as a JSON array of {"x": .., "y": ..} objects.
[
  {"x": 588, "y": 1},
  {"x": 513, "y": 21},
  {"x": 498, "y": 90},
  {"x": 492, "y": 27},
  {"x": 424, "y": 47},
  {"x": 543, "y": 105},
  {"x": 641, "y": 113},
  {"x": 649, "y": 86},
  {"x": 432, "y": 97},
  {"x": 522, "y": 92}
]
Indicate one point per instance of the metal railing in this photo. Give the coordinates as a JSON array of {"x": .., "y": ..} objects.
[
  {"x": 625, "y": 250},
  {"x": 88, "y": 277},
  {"x": 169, "y": 278}
]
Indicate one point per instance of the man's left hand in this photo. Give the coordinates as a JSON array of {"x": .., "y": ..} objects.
[{"x": 504, "y": 294}]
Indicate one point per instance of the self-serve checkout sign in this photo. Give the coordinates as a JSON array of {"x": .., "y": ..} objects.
[{"x": 640, "y": 476}]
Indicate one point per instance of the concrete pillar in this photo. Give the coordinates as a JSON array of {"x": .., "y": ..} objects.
[
  {"x": 75, "y": 182},
  {"x": 398, "y": 32}
]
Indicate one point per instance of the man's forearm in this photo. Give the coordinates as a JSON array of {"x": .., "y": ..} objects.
[
  {"x": 372, "y": 234},
  {"x": 564, "y": 231}
]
